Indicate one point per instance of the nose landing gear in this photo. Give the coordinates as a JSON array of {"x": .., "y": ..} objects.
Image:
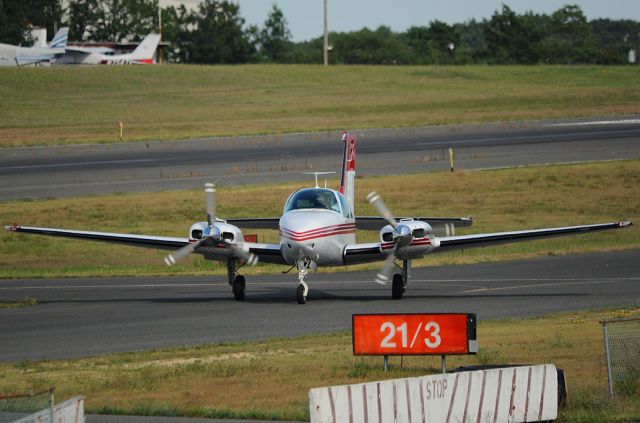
[{"x": 303, "y": 268}]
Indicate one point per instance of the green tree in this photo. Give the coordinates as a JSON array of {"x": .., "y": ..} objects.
[
  {"x": 381, "y": 46},
  {"x": 615, "y": 39},
  {"x": 512, "y": 38},
  {"x": 571, "y": 38},
  {"x": 82, "y": 13},
  {"x": 176, "y": 24},
  {"x": 18, "y": 15},
  {"x": 275, "y": 38},
  {"x": 219, "y": 36},
  {"x": 117, "y": 20}
]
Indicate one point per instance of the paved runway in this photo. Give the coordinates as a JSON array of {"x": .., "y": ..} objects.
[
  {"x": 153, "y": 166},
  {"x": 81, "y": 317}
]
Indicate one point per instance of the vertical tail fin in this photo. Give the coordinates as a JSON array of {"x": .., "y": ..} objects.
[
  {"x": 146, "y": 49},
  {"x": 60, "y": 39},
  {"x": 347, "y": 180}
]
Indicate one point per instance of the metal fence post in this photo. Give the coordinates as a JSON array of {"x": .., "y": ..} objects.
[
  {"x": 52, "y": 412},
  {"x": 608, "y": 356}
]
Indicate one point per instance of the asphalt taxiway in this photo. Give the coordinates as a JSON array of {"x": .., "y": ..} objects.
[
  {"x": 42, "y": 172},
  {"x": 84, "y": 317}
]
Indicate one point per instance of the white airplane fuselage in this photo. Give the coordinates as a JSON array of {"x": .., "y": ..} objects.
[{"x": 320, "y": 235}]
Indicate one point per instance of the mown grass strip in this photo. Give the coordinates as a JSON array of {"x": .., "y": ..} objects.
[
  {"x": 66, "y": 105},
  {"x": 506, "y": 199},
  {"x": 270, "y": 379},
  {"x": 26, "y": 302}
]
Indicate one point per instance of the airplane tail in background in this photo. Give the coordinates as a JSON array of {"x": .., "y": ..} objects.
[
  {"x": 347, "y": 180},
  {"x": 146, "y": 49},
  {"x": 60, "y": 39}
]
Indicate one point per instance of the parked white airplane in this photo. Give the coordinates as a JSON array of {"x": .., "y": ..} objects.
[
  {"x": 11, "y": 55},
  {"x": 143, "y": 54},
  {"x": 317, "y": 228}
]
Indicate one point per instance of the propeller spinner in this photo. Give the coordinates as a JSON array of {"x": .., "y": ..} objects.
[{"x": 401, "y": 236}]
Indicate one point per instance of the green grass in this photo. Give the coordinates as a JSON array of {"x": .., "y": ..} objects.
[
  {"x": 66, "y": 105},
  {"x": 507, "y": 199},
  {"x": 270, "y": 379},
  {"x": 25, "y": 302}
]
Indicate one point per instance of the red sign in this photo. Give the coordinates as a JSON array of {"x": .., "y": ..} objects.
[{"x": 414, "y": 334}]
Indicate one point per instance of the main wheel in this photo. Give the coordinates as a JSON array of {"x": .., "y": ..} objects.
[
  {"x": 397, "y": 288},
  {"x": 239, "y": 288},
  {"x": 300, "y": 295}
]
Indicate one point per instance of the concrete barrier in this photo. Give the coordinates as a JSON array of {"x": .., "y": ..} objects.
[{"x": 510, "y": 394}]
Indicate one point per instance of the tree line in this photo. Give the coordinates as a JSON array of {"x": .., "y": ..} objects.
[{"x": 215, "y": 32}]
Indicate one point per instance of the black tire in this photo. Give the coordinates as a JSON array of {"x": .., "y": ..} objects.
[
  {"x": 239, "y": 288},
  {"x": 397, "y": 287},
  {"x": 300, "y": 295}
]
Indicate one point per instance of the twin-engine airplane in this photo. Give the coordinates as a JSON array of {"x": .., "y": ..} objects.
[{"x": 317, "y": 228}]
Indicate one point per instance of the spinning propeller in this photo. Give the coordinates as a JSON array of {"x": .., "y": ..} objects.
[
  {"x": 401, "y": 236},
  {"x": 214, "y": 235}
]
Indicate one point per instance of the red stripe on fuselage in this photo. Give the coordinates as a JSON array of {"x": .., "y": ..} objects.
[{"x": 322, "y": 229}]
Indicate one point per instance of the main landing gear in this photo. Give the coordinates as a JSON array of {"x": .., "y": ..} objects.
[
  {"x": 400, "y": 280},
  {"x": 237, "y": 282}
]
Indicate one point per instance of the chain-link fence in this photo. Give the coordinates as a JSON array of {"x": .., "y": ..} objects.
[
  {"x": 16, "y": 407},
  {"x": 622, "y": 350}
]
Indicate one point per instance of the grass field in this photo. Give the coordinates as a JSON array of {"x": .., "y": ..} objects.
[
  {"x": 507, "y": 199},
  {"x": 271, "y": 379},
  {"x": 64, "y": 105}
]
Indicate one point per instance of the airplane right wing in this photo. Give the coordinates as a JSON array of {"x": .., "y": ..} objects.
[
  {"x": 483, "y": 240},
  {"x": 441, "y": 225}
]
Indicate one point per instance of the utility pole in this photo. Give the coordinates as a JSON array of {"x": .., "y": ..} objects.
[{"x": 326, "y": 36}]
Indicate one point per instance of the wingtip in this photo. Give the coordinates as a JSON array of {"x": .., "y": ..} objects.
[{"x": 625, "y": 224}]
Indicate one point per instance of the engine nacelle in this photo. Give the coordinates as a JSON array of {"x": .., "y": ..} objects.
[
  {"x": 417, "y": 245},
  {"x": 226, "y": 231},
  {"x": 418, "y": 228}
]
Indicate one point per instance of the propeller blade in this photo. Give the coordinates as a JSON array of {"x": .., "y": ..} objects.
[
  {"x": 242, "y": 251},
  {"x": 375, "y": 199},
  {"x": 210, "y": 195},
  {"x": 385, "y": 275},
  {"x": 181, "y": 253}
]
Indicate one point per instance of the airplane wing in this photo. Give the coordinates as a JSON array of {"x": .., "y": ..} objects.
[
  {"x": 483, "y": 240},
  {"x": 256, "y": 223},
  {"x": 149, "y": 241},
  {"x": 267, "y": 253},
  {"x": 445, "y": 225},
  {"x": 371, "y": 252},
  {"x": 376, "y": 223},
  {"x": 88, "y": 50}
]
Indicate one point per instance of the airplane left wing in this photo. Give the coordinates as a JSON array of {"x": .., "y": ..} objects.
[
  {"x": 267, "y": 253},
  {"x": 483, "y": 240},
  {"x": 363, "y": 253},
  {"x": 149, "y": 241}
]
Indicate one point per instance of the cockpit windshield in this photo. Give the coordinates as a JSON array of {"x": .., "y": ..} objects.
[{"x": 313, "y": 198}]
